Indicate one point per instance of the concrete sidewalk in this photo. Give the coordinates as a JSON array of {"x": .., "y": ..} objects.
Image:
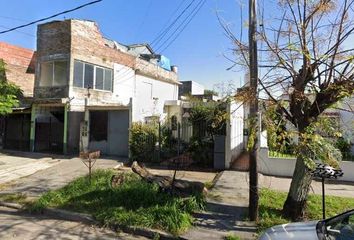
[
  {"x": 333, "y": 188},
  {"x": 13, "y": 167},
  {"x": 227, "y": 206},
  {"x": 57, "y": 175}
]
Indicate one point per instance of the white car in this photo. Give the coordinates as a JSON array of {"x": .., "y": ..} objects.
[{"x": 340, "y": 227}]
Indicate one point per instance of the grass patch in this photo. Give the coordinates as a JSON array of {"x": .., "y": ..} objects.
[
  {"x": 232, "y": 237},
  {"x": 271, "y": 203},
  {"x": 134, "y": 203}
]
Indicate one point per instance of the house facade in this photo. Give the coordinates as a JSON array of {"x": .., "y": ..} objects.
[
  {"x": 20, "y": 70},
  {"x": 88, "y": 89}
]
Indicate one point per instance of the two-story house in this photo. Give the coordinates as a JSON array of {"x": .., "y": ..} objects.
[{"x": 89, "y": 89}]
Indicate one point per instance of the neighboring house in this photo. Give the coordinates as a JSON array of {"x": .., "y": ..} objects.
[
  {"x": 190, "y": 88},
  {"x": 342, "y": 115},
  {"x": 227, "y": 148},
  {"x": 88, "y": 89},
  {"x": 20, "y": 70}
]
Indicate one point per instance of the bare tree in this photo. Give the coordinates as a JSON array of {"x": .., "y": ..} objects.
[{"x": 307, "y": 53}]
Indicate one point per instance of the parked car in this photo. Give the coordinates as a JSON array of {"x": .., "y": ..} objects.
[{"x": 340, "y": 227}]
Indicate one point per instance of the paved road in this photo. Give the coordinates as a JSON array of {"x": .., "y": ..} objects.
[{"x": 17, "y": 225}]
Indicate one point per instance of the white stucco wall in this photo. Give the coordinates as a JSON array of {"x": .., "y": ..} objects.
[
  {"x": 150, "y": 97},
  {"x": 284, "y": 167},
  {"x": 197, "y": 89},
  {"x": 236, "y": 131}
]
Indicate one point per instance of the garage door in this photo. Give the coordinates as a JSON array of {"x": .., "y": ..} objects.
[{"x": 118, "y": 133}]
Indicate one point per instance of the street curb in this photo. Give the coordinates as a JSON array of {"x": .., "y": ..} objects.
[
  {"x": 87, "y": 219},
  {"x": 146, "y": 232}
]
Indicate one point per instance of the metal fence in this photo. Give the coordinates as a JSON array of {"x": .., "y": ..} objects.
[{"x": 171, "y": 143}]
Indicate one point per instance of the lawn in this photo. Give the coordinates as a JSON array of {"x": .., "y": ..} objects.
[
  {"x": 134, "y": 203},
  {"x": 271, "y": 203}
]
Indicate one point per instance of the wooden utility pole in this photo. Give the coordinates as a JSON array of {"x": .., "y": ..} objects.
[{"x": 253, "y": 115}]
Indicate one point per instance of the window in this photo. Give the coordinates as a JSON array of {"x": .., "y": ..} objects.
[
  {"x": 46, "y": 74},
  {"x": 88, "y": 75},
  {"x": 78, "y": 73},
  {"x": 60, "y": 76},
  {"x": 99, "y": 78},
  {"x": 53, "y": 74},
  {"x": 107, "y": 80}
]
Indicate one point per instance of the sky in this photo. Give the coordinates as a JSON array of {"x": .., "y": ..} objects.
[{"x": 198, "y": 51}]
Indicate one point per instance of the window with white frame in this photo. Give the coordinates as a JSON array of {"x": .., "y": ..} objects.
[
  {"x": 53, "y": 74},
  {"x": 89, "y": 75}
]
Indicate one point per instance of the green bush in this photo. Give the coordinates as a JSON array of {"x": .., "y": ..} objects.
[
  {"x": 344, "y": 147},
  {"x": 142, "y": 142},
  {"x": 201, "y": 150}
]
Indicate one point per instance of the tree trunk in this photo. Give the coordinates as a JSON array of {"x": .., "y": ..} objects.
[
  {"x": 295, "y": 203},
  {"x": 168, "y": 184}
]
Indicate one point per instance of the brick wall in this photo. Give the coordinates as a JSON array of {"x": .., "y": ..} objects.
[
  {"x": 53, "y": 38},
  {"x": 88, "y": 44},
  {"x": 20, "y": 66}
]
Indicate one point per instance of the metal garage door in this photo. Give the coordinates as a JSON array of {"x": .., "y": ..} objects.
[
  {"x": 109, "y": 132},
  {"x": 118, "y": 133}
]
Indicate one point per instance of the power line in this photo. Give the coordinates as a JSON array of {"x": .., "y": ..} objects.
[
  {"x": 164, "y": 32},
  {"x": 167, "y": 29},
  {"x": 52, "y": 16},
  {"x": 143, "y": 20},
  {"x": 183, "y": 27},
  {"x": 169, "y": 20}
]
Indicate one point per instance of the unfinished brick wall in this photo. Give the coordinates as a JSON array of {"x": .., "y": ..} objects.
[
  {"x": 20, "y": 66},
  {"x": 153, "y": 71},
  {"x": 88, "y": 44},
  {"x": 53, "y": 43},
  {"x": 53, "y": 38}
]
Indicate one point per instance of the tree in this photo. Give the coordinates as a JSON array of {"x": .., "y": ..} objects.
[
  {"x": 9, "y": 93},
  {"x": 307, "y": 57},
  {"x": 210, "y": 92}
]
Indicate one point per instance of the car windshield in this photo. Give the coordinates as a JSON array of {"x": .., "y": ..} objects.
[{"x": 340, "y": 227}]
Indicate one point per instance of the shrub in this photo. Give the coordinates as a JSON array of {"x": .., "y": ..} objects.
[
  {"x": 142, "y": 142},
  {"x": 344, "y": 147},
  {"x": 201, "y": 150}
]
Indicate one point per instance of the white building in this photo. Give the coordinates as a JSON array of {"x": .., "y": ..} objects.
[{"x": 88, "y": 89}]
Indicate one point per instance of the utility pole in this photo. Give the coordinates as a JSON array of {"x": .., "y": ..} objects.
[{"x": 253, "y": 115}]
